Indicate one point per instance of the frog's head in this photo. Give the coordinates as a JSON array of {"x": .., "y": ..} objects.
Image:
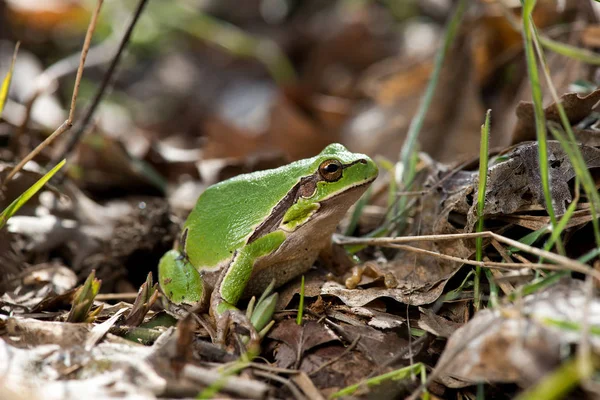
[
  {"x": 335, "y": 179},
  {"x": 337, "y": 170}
]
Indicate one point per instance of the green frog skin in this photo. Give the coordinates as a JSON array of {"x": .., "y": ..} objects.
[{"x": 256, "y": 228}]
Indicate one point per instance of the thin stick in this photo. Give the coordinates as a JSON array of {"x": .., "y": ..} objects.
[
  {"x": 286, "y": 382},
  {"x": 561, "y": 260},
  {"x": 91, "y": 109},
  {"x": 47, "y": 81},
  {"x": 69, "y": 122},
  {"x": 117, "y": 296},
  {"x": 336, "y": 359},
  {"x": 484, "y": 264}
]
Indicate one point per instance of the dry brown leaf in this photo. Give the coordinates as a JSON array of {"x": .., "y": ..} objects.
[{"x": 577, "y": 107}]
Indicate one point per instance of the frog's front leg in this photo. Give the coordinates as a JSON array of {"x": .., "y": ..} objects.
[{"x": 233, "y": 282}]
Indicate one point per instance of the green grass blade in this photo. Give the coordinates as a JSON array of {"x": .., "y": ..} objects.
[
  {"x": 301, "y": 305},
  {"x": 536, "y": 94},
  {"x": 567, "y": 50},
  {"x": 494, "y": 293},
  {"x": 538, "y": 284},
  {"x": 570, "y": 326},
  {"x": 579, "y": 166},
  {"x": 6, "y": 82},
  {"x": 483, "y": 170},
  {"x": 570, "y": 145},
  {"x": 409, "y": 148},
  {"x": 357, "y": 212},
  {"x": 557, "y": 384},
  {"x": 23, "y": 198},
  {"x": 228, "y": 37},
  {"x": 398, "y": 374},
  {"x": 564, "y": 220},
  {"x": 529, "y": 239}
]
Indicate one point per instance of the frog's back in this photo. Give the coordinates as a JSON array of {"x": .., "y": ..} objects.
[{"x": 227, "y": 213}]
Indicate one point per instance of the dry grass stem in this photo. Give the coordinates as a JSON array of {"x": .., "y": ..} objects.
[
  {"x": 69, "y": 122},
  {"x": 565, "y": 262}
]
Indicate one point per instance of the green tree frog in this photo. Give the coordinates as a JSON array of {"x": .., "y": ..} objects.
[{"x": 256, "y": 228}]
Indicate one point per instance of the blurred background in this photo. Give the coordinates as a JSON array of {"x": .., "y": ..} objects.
[{"x": 206, "y": 90}]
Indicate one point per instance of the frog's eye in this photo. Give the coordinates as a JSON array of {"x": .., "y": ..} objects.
[{"x": 331, "y": 170}]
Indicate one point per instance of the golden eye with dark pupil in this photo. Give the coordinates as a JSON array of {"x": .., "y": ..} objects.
[{"x": 331, "y": 170}]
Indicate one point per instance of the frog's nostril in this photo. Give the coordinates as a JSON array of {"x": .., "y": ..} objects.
[{"x": 362, "y": 161}]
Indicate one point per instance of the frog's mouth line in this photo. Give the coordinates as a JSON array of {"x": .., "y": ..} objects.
[{"x": 357, "y": 185}]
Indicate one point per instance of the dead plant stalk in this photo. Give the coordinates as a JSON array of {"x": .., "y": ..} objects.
[
  {"x": 65, "y": 126},
  {"x": 563, "y": 261}
]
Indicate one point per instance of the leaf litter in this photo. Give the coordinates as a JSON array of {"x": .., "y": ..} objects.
[{"x": 173, "y": 124}]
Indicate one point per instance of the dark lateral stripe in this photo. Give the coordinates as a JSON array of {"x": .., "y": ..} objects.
[{"x": 274, "y": 219}]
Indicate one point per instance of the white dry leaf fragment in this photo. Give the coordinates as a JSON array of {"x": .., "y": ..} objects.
[
  {"x": 34, "y": 332},
  {"x": 109, "y": 371},
  {"x": 561, "y": 309},
  {"x": 378, "y": 319},
  {"x": 35, "y": 284},
  {"x": 61, "y": 278},
  {"x": 357, "y": 315},
  {"x": 495, "y": 348},
  {"x": 45, "y": 231},
  {"x": 99, "y": 330},
  {"x": 520, "y": 343},
  {"x": 363, "y": 296}
]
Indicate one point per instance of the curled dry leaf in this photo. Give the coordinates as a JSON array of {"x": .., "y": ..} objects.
[
  {"x": 519, "y": 344},
  {"x": 495, "y": 348},
  {"x": 42, "y": 287},
  {"x": 516, "y": 182},
  {"x": 34, "y": 332},
  {"x": 297, "y": 339},
  {"x": 513, "y": 185},
  {"x": 577, "y": 108},
  {"x": 435, "y": 324}
]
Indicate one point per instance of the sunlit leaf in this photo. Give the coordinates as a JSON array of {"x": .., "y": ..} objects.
[
  {"x": 23, "y": 198},
  {"x": 6, "y": 82}
]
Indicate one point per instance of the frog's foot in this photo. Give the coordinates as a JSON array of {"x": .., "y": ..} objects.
[{"x": 234, "y": 317}]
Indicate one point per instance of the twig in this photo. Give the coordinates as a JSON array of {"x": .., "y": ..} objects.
[
  {"x": 272, "y": 369},
  {"x": 336, "y": 359},
  {"x": 46, "y": 82},
  {"x": 307, "y": 386},
  {"x": 584, "y": 352},
  {"x": 91, "y": 109},
  {"x": 566, "y": 262},
  {"x": 485, "y": 264},
  {"x": 116, "y": 296},
  {"x": 283, "y": 381},
  {"x": 422, "y": 340},
  {"x": 240, "y": 386},
  {"x": 69, "y": 122}
]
